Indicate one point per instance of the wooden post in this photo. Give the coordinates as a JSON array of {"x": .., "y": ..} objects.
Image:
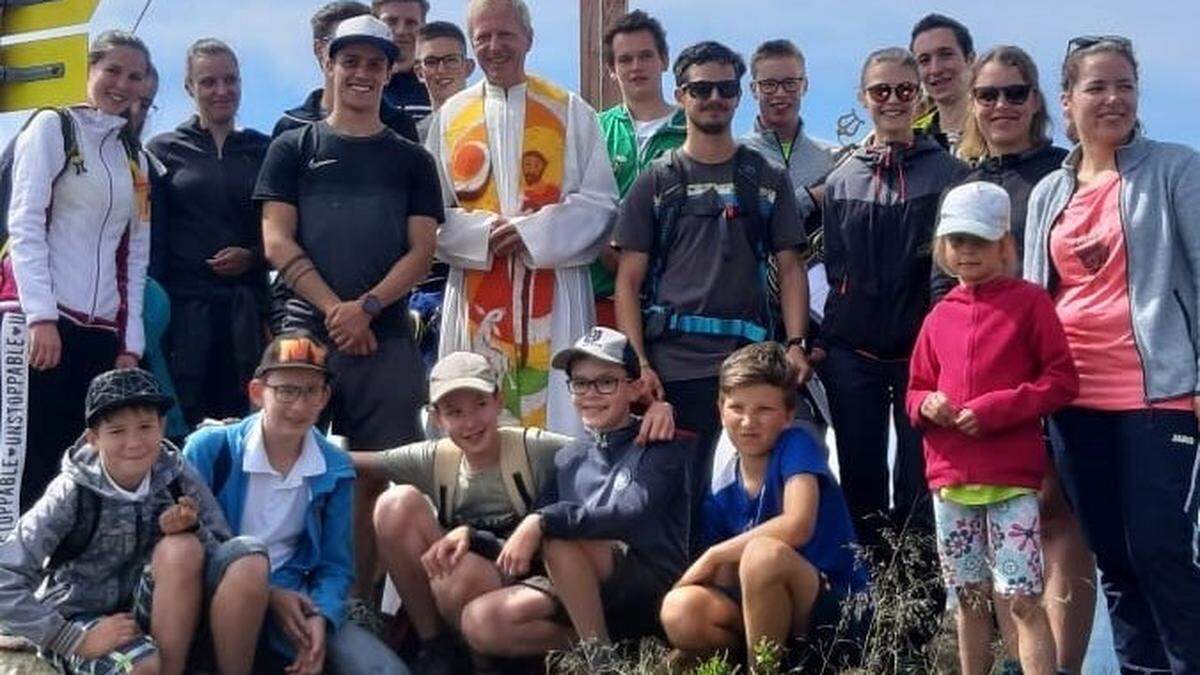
[{"x": 594, "y": 84}]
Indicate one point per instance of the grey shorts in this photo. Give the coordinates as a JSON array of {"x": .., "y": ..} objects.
[
  {"x": 123, "y": 659},
  {"x": 377, "y": 399}
]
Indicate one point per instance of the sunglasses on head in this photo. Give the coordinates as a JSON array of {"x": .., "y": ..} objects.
[
  {"x": 880, "y": 93},
  {"x": 702, "y": 89},
  {"x": 1085, "y": 41},
  {"x": 1014, "y": 94}
]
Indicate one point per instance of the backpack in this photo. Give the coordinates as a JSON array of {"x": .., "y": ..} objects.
[
  {"x": 516, "y": 471},
  {"x": 83, "y": 531},
  {"x": 671, "y": 192}
]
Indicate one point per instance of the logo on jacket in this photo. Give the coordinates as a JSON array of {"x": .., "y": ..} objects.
[
  {"x": 622, "y": 481},
  {"x": 1183, "y": 439},
  {"x": 314, "y": 163}
]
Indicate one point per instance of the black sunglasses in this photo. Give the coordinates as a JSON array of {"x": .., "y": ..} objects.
[
  {"x": 1085, "y": 41},
  {"x": 702, "y": 89},
  {"x": 880, "y": 93},
  {"x": 1014, "y": 94}
]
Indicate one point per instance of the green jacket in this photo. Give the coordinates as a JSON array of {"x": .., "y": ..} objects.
[{"x": 621, "y": 142}]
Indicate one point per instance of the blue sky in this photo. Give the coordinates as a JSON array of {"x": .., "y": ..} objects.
[{"x": 273, "y": 40}]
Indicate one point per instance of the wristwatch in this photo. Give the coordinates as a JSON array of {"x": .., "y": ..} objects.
[{"x": 371, "y": 305}]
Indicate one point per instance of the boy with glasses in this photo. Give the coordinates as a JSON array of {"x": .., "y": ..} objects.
[
  {"x": 612, "y": 529},
  {"x": 280, "y": 481},
  {"x": 442, "y": 64}
]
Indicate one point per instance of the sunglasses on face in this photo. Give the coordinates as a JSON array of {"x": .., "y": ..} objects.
[
  {"x": 789, "y": 84},
  {"x": 702, "y": 89},
  {"x": 905, "y": 92},
  {"x": 1013, "y": 94},
  {"x": 1085, "y": 41}
]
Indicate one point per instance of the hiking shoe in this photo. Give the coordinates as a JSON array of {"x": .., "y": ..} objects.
[
  {"x": 363, "y": 615},
  {"x": 441, "y": 656}
]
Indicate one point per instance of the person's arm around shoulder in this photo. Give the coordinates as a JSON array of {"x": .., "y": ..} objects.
[
  {"x": 587, "y": 207},
  {"x": 634, "y": 236}
]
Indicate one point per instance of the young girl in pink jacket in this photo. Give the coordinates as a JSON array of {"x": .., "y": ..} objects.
[{"x": 991, "y": 360}]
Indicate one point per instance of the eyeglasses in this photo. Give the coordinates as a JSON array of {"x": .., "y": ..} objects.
[
  {"x": 1085, "y": 41},
  {"x": 702, "y": 89},
  {"x": 290, "y": 393},
  {"x": 447, "y": 61},
  {"x": 1013, "y": 94},
  {"x": 790, "y": 84},
  {"x": 880, "y": 93},
  {"x": 602, "y": 385}
]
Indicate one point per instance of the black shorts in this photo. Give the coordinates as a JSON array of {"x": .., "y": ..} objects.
[
  {"x": 631, "y": 596},
  {"x": 377, "y": 399}
]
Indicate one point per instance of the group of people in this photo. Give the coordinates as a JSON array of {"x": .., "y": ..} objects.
[{"x": 631, "y": 330}]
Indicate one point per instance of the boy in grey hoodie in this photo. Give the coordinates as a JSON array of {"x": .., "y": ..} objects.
[{"x": 107, "y": 571}]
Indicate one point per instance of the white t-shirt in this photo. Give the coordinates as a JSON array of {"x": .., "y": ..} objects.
[
  {"x": 142, "y": 491},
  {"x": 646, "y": 130},
  {"x": 276, "y": 506}
]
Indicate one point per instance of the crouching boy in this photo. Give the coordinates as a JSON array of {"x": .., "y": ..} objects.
[
  {"x": 278, "y": 479},
  {"x": 109, "y": 571},
  {"x": 779, "y": 562},
  {"x": 440, "y": 529},
  {"x": 612, "y": 529}
]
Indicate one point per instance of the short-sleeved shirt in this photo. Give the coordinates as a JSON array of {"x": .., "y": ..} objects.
[
  {"x": 711, "y": 269},
  {"x": 481, "y": 499},
  {"x": 354, "y": 196},
  {"x": 728, "y": 510}
]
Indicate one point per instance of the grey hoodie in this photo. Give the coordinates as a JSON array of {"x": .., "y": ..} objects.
[
  {"x": 809, "y": 161},
  {"x": 47, "y": 606},
  {"x": 1160, "y": 218}
]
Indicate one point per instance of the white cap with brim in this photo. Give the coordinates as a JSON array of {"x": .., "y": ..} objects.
[
  {"x": 980, "y": 208},
  {"x": 602, "y": 344},
  {"x": 364, "y": 29},
  {"x": 461, "y": 370}
]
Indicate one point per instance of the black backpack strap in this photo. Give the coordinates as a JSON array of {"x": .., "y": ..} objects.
[
  {"x": 748, "y": 168},
  {"x": 670, "y": 196},
  {"x": 87, "y": 519}
]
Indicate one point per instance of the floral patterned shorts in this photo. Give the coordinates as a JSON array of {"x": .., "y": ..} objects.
[{"x": 1000, "y": 543}]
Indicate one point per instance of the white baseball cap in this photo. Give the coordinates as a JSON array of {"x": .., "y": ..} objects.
[
  {"x": 364, "y": 29},
  {"x": 980, "y": 208},
  {"x": 602, "y": 344},
  {"x": 461, "y": 370}
]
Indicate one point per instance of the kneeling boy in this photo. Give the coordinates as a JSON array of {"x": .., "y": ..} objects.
[
  {"x": 440, "y": 529},
  {"x": 278, "y": 479},
  {"x": 108, "y": 571},
  {"x": 780, "y": 560},
  {"x": 612, "y": 529}
]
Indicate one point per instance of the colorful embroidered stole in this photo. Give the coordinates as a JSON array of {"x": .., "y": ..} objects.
[{"x": 508, "y": 306}]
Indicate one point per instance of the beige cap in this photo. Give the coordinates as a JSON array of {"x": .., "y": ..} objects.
[{"x": 461, "y": 370}]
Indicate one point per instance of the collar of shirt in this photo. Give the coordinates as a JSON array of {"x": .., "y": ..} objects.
[
  {"x": 143, "y": 488},
  {"x": 310, "y": 463}
]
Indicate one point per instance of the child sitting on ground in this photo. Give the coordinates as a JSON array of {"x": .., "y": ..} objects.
[
  {"x": 278, "y": 479},
  {"x": 110, "y": 571},
  {"x": 612, "y": 528},
  {"x": 991, "y": 360},
  {"x": 779, "y": 561}
]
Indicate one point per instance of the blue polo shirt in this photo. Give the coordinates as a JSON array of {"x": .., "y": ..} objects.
[{"x": 729, "y": 510}]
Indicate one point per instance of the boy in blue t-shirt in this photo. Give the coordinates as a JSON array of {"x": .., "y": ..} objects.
[{"x": 778, "y": 561}]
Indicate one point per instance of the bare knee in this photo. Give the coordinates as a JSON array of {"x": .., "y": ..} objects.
[
  {"x": 1025, "y": 607},
  {"x": 765, "y": 561},
  {"x": 477, "y": 624},
  {"x": 147, "y": 666},
  {"x": 467, "y": 582},
  {"x": 179, "y": 554},
  {"x": 248, "y": 575},
  {"x": 682, "y": 615},
  {"x": 398, "y": 509}
]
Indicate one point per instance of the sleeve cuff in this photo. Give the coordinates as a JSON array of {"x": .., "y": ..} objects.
[{"x": 68, "y": 639}]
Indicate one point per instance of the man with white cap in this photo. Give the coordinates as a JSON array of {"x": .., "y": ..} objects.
[
  {"x": 612, "y": 530},
  {"x": 481, "y": 480},
  {"x": 350, "y": 216}
]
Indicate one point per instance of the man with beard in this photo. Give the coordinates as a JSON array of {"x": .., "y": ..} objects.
[
  {"x": 696, "y": 232},
  {"x": 530, "y": 195}
]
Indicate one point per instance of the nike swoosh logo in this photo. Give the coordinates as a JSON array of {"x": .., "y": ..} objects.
[{"x": 314, "y": 164}]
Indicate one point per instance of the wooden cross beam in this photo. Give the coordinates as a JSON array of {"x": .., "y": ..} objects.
[{"x": 596, "y": 86}]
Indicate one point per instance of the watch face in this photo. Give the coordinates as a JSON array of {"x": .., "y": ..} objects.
[{"x": 372, "y": 306}]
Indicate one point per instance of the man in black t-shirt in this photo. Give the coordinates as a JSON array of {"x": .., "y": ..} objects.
[
  {"x": 320, "y": 101},
  {"x": 350, "y": 216}
]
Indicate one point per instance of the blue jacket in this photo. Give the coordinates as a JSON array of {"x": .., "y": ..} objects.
[{"x": 323, "y": 564}]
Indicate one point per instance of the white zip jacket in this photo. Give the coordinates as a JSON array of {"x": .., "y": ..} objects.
[{"x": 80, "y": 246}]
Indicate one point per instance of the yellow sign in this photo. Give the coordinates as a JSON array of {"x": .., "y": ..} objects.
[
  {"x": 51, "y": 72},
  {"x": 44, "y": 15}
]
